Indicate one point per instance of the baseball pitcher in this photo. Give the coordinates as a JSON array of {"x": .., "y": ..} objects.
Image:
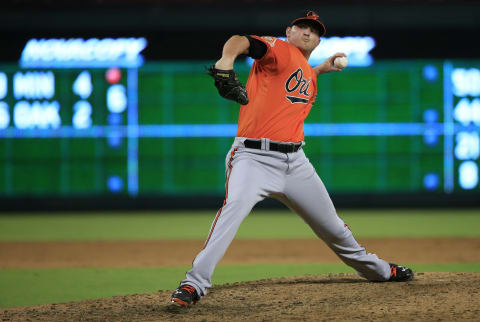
[{"x": 267, "y": 159}]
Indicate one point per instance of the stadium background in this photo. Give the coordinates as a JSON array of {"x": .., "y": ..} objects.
[
  {"x": 108, "y": 204},
  {"x": 379, "y": 130}
]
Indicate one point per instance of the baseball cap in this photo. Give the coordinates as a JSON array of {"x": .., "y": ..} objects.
[{"x": 311, "y": 17}]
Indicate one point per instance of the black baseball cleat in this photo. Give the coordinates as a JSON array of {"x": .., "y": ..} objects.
[
  {"x": 400, "y": 274},
  {"x": 184, "y": 296}
]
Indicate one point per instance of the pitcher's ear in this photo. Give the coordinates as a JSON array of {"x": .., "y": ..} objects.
[{"x": 287, "y": 32}]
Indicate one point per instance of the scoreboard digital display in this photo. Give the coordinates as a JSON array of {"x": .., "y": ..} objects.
[{"x": 161, "y": 128}]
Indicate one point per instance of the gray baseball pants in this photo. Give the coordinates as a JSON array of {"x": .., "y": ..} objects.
[{"x": 251, "y": 176}]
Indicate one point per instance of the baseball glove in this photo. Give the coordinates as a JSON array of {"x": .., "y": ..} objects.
[{"x": 228, "y": 86}]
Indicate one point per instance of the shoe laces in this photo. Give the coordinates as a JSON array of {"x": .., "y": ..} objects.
[{"x": 190, "y": 289}]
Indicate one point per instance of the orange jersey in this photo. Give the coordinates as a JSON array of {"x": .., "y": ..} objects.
[{"x": 282, "y": 87}]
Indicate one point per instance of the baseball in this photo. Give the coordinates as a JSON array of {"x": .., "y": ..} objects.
[{"x": 340, "y": 62}]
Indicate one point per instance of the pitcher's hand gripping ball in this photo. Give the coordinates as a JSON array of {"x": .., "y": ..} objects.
[
  {"x": 340, "y": 62},
  {"x": 228, "y": 86}
]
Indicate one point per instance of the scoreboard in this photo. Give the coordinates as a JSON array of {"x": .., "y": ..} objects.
[
  {"x": 161, "y": 129},
  {"x": 65, "y": 131}
]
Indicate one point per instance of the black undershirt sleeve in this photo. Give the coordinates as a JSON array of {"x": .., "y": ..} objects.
[{"x": 257, "y": 48}]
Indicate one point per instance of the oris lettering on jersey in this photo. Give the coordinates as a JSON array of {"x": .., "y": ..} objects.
[
  {"x": 282, "y": 87},
  {"x": 296, "y": 83}
]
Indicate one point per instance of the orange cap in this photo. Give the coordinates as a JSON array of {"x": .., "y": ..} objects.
[{"x": 311, "y": 16}]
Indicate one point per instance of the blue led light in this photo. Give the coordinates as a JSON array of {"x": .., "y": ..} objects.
[
  {"x": 227, "y": 130},
  {"x": 357, "y": 49},
  {"x": 430, "y": 138},
  {"x": 430, "y": 73},
  {"x": 368, "y": 129},
  {"x": 80, "y": 53},
  {"x": 117, "y": 98},
  {"x": 114, "y": 119},
  {"x": 431, "y": 181},
  {"x": 430, "y": 116},
  {"x": 132, "y": 132},
  {"x": 468, "y": 175},
  {"x": 3, "y": 85},
  {"x": 4, "y": 116},
  {"x": 115, "y": 184},
  {"x": 115, "y": 141}
]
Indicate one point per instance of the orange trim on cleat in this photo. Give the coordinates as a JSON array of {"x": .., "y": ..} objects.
[
  {"x": 393, "y": 271},
  {"x": 190, "y": 289},
  {"x": 179, "y": 302},
  {"x": 184, "y": 296},
  {"x": 400, "y": 274}
]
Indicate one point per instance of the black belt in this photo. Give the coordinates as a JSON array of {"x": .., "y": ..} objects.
[{"x": 278, "y": 147}]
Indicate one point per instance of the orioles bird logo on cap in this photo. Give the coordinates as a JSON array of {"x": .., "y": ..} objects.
[{"x": 312, "y": 14}]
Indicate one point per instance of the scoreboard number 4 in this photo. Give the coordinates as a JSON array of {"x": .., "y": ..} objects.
[{"x": 82, "y": 110}]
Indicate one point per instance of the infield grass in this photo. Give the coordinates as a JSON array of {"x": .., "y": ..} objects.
[{"x": 260, "y": 224}]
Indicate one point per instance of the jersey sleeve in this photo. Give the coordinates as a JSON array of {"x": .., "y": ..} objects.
[
  {"x": 257, "y": 48},
  {"x": 277, "y": 56}
]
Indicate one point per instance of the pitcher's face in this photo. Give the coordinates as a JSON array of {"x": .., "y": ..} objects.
[{"x": 304, "y": 36}]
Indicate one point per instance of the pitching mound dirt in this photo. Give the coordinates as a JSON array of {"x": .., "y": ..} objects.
[{"x": 430, "y": 297}]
